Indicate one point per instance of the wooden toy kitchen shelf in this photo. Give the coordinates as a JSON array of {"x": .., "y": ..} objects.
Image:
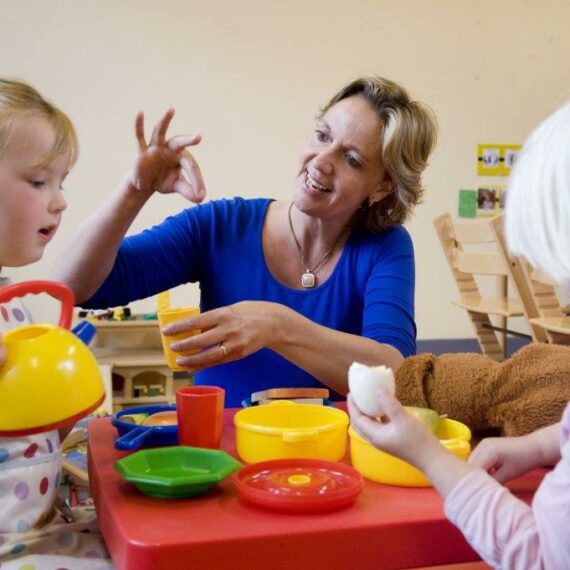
[{"x": 133, "y": 350}]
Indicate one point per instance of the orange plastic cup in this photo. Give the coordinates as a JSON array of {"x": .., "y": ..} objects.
[
  {"x": 171, "y": 316},
  {"x": 200, "y": 411}
]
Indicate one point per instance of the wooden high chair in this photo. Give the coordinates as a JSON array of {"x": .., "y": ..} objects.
[
  {"x": 465, "y": 265},
  {"x": 537, "y": 291}
]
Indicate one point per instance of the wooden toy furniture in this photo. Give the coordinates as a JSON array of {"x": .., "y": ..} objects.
[
  {"x": 471, "y": 250},
  {"x": 133, "y": 350},
  {"x": 537, "y": 292},
  {"x": 552, "y": 318}
]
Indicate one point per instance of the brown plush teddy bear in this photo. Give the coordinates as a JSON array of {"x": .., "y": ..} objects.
[{"x": 526, "y": 392}]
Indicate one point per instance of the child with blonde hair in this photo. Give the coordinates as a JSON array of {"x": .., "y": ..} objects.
[
  {"x": 506, "y": 532},
  {"x": 38, "y": 146}
]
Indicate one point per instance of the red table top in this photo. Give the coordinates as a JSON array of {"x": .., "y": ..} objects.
[{"x": 387, "y": 527}]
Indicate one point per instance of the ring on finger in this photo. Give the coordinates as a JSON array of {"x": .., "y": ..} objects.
[{"x": 224, "y": 349}]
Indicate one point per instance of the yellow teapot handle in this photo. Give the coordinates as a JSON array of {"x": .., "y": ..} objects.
[{"x": 57, "y": 290}]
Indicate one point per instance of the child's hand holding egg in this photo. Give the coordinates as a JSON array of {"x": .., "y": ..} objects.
[{"x": 364, "y": 381}]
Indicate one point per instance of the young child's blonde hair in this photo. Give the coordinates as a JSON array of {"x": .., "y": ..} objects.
[
  {"x": 537, "y": 220},
  {"x": 19, "y": 100}
]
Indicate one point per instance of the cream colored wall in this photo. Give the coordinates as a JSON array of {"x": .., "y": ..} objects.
[{"x": 250, "y": 76}]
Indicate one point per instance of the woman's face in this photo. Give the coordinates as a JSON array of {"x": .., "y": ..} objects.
[
  {"x": 31, "y": 202},
  {"x": 341, "y": 166}
]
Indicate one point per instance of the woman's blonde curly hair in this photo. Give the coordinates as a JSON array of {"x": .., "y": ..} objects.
[{"x": 409, "y": 134}]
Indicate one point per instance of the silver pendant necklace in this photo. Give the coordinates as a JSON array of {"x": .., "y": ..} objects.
[{"x": 308, "y": 277}]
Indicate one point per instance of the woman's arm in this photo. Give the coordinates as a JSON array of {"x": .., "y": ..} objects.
[
  {"x": 326, "y": 353},
  {"x": 249, "y": 326},
  {"x": 91, "y": 253},
  {"x": 163, "y": 166},
  {"x": 322, "y": 351}
]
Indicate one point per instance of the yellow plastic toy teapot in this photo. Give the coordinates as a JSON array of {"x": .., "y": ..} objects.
[{"x": 50, "y": 379}]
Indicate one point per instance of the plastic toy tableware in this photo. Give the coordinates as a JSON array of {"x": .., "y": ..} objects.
[
  {"x": 384, "y": 468},
  {"x": 200, "y": 415},
  {"x": 85, "y": 331},
  {"x": 283, "y": 429},
  {"x": 133, "y": 436},
  {"x": 50, "y": 379},
  {"x": 171, "y": 316},
  {"x": 299, "y": 485},
  {"x": 167, "y": 418},
  {"x": 176, "y": 472}
]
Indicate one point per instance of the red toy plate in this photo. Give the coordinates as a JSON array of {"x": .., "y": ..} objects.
[{"x": 299, "y": 485}]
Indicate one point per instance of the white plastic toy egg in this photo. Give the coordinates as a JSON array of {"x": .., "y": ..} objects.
[{"x": 364, "y": 381}]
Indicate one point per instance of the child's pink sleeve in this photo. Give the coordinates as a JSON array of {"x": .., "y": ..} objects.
[
  {"x": 505, "y": 531},
  {"x": 500, "y": 527},
  {"x": 551, "y": 505}
]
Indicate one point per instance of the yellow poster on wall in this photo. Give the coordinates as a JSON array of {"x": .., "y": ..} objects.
[{"x": 496, "y": 159}]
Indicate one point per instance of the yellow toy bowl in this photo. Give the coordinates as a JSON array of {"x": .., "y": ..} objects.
[
  {"x": 282, "y": 429},
  {"x": 384, "y": 468}
]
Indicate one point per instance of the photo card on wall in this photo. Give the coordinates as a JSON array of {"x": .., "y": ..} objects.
[{"x": 496, "y": 159}]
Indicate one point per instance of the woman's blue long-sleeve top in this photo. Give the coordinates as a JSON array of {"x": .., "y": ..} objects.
[{"x": 218, "y": 245}]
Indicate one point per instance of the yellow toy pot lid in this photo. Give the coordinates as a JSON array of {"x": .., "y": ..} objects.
[{"x": 50, "y": 378}]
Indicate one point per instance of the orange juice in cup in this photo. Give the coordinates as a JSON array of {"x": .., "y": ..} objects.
[{"x": 168, "y": 316}]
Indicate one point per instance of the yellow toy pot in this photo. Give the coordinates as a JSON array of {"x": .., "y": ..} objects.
[
  {"x": 382, "y": 467},
  {"x": 50, "y": 378},
  {"x": 282, "y": 429}
]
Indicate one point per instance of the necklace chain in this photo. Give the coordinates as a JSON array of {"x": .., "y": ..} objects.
[{"x": 308, "y": 279}]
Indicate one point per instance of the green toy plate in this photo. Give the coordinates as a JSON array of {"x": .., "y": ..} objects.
[{"x": 175, "y": 472}]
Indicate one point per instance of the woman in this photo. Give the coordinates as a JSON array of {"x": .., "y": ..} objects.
[{"x": 291, "y": 293}]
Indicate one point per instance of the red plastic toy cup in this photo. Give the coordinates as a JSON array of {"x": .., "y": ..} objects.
[{"x": 200, "y": 411}]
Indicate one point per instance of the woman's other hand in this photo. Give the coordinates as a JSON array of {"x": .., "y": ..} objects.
[
  {"x": 165, "y": 165},
  {"x": 227, "y": 334}
]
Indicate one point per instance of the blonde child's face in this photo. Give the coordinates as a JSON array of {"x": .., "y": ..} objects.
[{"x": 31, "y": 200}]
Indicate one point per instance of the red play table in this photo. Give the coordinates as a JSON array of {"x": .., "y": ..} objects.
[{"x": 387, "y": 527}]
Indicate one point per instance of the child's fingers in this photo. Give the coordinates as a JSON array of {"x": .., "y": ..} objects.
[
  {"x": 364, "y": 425},
  {"x": 353, "y": 409},
  {"x": 392, "y": 408},
  {"x": 490, "y": 461}
]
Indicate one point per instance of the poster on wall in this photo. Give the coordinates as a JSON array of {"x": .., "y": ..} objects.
[
  {"x": 496, "y": 159},
  {"x": 487, "y": 200},
  {"x": 467, "y": 203},
  {"x": 490, "y": 199}
]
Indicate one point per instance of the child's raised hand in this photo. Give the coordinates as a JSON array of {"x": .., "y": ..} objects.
[
  {"x": 165, "y": 165},
  {"x": 398, "y": 433}
]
